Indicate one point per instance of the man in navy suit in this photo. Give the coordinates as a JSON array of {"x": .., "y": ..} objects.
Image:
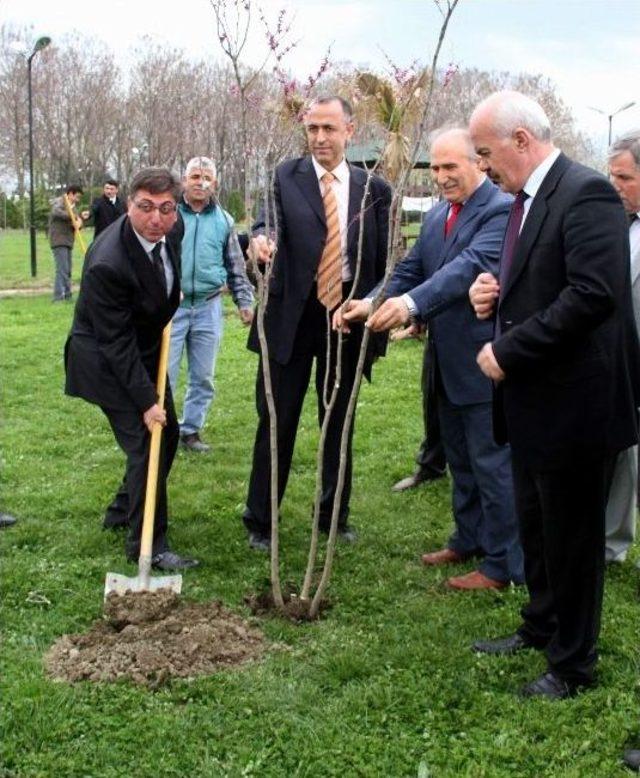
[
  {"x": 460, "y": 238},
  {"x": 297, "y": 311}
]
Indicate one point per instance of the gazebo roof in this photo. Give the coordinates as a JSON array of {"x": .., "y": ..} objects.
[{"x": 369, "y": 153}]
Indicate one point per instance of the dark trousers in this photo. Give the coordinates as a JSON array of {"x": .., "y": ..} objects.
[
  {"x": 482, "y": 491},
  {"x": 561, "y": 516},
  {"x": 431, "y": 458},
  {"x": 289, "y": 385},
  {"x": 127, "y": 506}
]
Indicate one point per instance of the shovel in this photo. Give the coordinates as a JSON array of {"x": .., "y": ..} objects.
[
  {"x": 143, "y": 582},
  {"x": 76, "y": 229}
]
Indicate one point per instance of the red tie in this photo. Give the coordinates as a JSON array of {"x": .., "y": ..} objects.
[{"x": 452, "y": 218}]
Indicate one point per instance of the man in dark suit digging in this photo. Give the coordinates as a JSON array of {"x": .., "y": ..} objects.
[{"x": 130, "y": 290}]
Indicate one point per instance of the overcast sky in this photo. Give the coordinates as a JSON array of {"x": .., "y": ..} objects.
[{"x": 589, "y": 48}]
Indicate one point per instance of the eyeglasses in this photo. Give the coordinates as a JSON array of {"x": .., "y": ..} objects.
[{"x": 146, "y": 206}]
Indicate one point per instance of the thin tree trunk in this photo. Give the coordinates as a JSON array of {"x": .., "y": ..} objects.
[{"x": 391, "y": 243}]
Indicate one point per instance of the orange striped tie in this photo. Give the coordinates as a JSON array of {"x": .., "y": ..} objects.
[{"x": 330, "y": 267}]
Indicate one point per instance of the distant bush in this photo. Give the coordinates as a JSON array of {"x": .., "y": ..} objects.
[
  {"x": 235, "y": 205},
  {"x": 15, "y": 212}
]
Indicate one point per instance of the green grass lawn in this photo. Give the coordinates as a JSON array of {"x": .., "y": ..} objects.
[
  {"x": 384, "y": 685},
  {"x": 15, "y": 260},
  {"x": 412, "y": 230}
]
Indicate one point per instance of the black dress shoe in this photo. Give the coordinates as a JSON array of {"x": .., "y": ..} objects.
[
  {"x": 419, "y": 477},
  {"x": 168, "y": 560},
  {"x": 259, "y": 541},
  {"x": 193, "y": 443},
  {"x": 502, "y": 646},
  {"x": 551, "y": 687},
  {"x": 346, "y": 534},
  {"x": 113, "y": 523},
  {"x": 7, "y": 520},
  {"x": 631, "y": 759}
]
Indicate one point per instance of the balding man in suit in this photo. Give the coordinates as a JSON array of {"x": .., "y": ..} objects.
[
  {"x": 460, "y": 238},
  {"x": 565, "y": 363}
]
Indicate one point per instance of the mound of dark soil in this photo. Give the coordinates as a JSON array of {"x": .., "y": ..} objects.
[{"x": 150, "y": 637}]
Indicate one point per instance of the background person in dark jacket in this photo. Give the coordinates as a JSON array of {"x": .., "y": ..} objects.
[{"x": 106, "y": 208}]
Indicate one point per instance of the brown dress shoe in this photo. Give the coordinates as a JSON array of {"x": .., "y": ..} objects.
[
  {"x": 446, "y": 556},
  {"x": 474, "y": 580}
]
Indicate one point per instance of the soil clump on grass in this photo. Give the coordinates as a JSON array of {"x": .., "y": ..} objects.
[{"x": 151, "y": 637}]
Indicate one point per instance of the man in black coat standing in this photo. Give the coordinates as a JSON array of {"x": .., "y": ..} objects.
[
  {"x": 130, "y": 290},
  {"x": 566, "y": 369},
  {"x": 106, "y": 208},
  {"x": 319, "y": 209}
]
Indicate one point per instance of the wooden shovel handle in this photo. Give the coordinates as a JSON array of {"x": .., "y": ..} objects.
[
  {"x": 72, "y": 216},
  {"x": 146, "y": 542}
]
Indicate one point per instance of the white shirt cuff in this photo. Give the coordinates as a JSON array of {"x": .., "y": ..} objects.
[{"x": 413, "y": 308}]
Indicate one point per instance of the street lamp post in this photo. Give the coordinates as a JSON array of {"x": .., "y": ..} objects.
[
  {"x": 40, "y": 44},
  {"x": 611, "y": 115}
]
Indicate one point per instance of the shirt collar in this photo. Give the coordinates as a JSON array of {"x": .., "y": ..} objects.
[
  {"x": 534, "y": 182},
  {"x": 341, "y": 171},
  {"x": 483, "y": 178},
  {"x": 208, "y": 206},
  {"x": 147, "y": 245}
]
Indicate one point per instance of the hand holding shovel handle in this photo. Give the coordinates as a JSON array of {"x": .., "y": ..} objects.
[
  {"x": 146, "y": 542},
  {"x": 74, "y": 221}
]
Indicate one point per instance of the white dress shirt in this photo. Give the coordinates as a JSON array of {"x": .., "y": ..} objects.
[
  {"x": 634, "y": 236},
  {"x": 534, "y": 182},
  {"x": 148, "y": 247},
  {"x": 408, "y": 300},
  {"x": 341, "y": 190}
]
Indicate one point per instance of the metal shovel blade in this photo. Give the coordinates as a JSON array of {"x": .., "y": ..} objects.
[{"x": 121, "y": 584}]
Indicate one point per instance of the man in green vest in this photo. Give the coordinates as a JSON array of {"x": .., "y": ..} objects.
[{"x": 212, "y": 261}]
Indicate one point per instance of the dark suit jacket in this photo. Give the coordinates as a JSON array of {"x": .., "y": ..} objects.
[
  {"x": 111, "y": 355},
  {"x": 104, "y": 213},
  {"x": 438, "y": 273},
  {"x": 568, "y": 345},
  {"x": 300, "y": 240}
]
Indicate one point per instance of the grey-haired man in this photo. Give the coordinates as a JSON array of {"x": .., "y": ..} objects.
[
  {"x": 620, "y": 518},
  {"x": 211, "y": 261}
]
